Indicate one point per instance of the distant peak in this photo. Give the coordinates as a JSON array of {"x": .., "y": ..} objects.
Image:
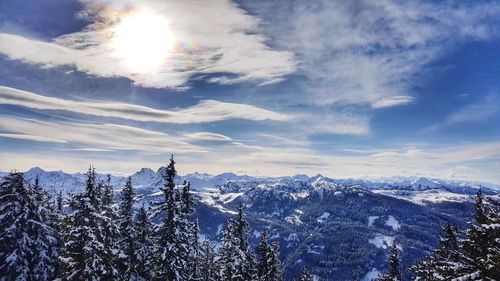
[{"x": 35, "y": 170}]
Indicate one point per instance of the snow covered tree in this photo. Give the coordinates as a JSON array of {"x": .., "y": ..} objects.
[
  {"x": 194, "y": 254},
  {"x": 172, "y": 251},
  {"x": 305, "y": 275},
  {"x": 143, "y": 237},
  {"x": 394, "y": 273},
  {"x": 87, "y": 255},
  {"x": 268, "y": 264},
  {"x": 208, "y": 262},
  {"x": 482, "y": 242},
  {"x": 106, "y": 192},
  {"x": 59, "y": 202},
  {"x": 445, "y": 262},
  {"x": 28, "y": 240},
  {"x": 237, "y": 261},
  {"x": 125, "y": 224}
]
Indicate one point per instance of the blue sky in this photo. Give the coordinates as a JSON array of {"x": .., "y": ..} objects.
[{"x": 341, "y": 88}]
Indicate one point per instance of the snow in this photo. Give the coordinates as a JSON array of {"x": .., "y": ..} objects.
[
  {"x": 256, "y": 233},
  {"x": 371, "y": 275},
  {"x": 424, "y": 197},
  {"x": 314, "y": 249},
  {"x": 382, "y": 241},
  {"x": 392, "y": 222},
  {"x": 292, "y": 237},
  {"x": 229, "y": 197},
  {"x": 299, "y": 195},
  {"x": 337, "y": 193},
  {"x": 219, "y": 228},
  {"x": 323, "y": 217},
  {"x": 371, "y": 220}
]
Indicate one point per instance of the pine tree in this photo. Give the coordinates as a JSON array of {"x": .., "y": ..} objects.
[
  {"x": 394, "y": 273},
  {"x": 59, "y": 203},
  {"x": 268, "y": 264},
  {"x": 125, "y": 224},
  {"x": 276, "y": 273},
  {"x": 172, "y": 251},
  {"x": 27, "y": 236},
  {"x": 207, "y": 262},
  {"x": 194, "y": 273},
  {"x": 482, "y": 243},
  {"x": 305, "y": 275},
  {"x": 445, "y": 262},
  {"x": 143, "y": 236},
  {"x": 237, "y": 261},
  {"x": 87, "y": 254},
  {"x": 106, "y": 192}
]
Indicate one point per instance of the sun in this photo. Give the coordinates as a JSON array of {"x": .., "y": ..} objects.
[{"x": 142, "y": 40}]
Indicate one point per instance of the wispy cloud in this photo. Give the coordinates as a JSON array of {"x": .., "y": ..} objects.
[
  {"x": 217, "y": 39},
  {"x": 393, "y": 101},
  {"x": 31, "y": 138},
  {"x": 207, "y": 136},
  {"x": 95, "y": 136},
  {"x": 204, "y": 111},
  {"x": 372, "y": 51},
  {"x": 481, "y": 110}
]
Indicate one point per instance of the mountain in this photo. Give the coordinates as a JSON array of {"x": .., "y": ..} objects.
[{"x": 339, "y": 228}]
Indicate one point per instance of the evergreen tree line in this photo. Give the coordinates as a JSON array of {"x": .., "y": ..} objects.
[
  {"x": 461, "y": 256},
  {"x": 91, "y": 237}
]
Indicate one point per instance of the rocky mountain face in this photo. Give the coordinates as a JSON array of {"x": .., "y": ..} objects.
[{"x": 339, "y": 228}]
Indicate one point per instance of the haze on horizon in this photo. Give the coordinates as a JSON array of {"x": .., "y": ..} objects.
[{"x": 345, "y": 89}]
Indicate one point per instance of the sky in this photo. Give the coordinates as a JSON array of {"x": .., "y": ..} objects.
[{"x": 341, "y": 88}]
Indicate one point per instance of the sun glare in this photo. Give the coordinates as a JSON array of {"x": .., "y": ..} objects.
[{"x": 143, "y": 41}]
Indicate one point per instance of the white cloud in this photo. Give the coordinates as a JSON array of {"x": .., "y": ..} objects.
[
  {"x": 478, "y": 111},
  {"x": 207, "y": 136},
  {"x": 96, "y": 136},
  {"x": 372, "y": 51},
  {"x": 209, "y": 39},
  {"x": 393, "y": 101},
  {"x": 204, "y": 111},
  {"x": 481, "y": 110},
  {"x": 31, "y": 138}
]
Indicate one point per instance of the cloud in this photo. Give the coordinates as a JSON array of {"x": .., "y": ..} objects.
[
  {"x": 203, "y": 112},
  {"x": 96, "y": 136},
  {"x": 207, "y": 136},
  {"x": 481, "y": 110},
  {"x": 31, "y": 138},
  {"x": 393, "y": 101},
  {"x": 216, "y": 39},
  {"x": 371, "y": 51},
  {"x": 478, "y": 111}
]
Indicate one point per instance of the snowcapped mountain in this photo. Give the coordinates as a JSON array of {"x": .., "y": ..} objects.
[{"x": 147, "y": 179}]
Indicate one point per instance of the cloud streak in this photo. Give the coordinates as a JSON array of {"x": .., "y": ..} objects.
[
  {"x": 203, "y": 112},
  {"x": 95, "y": 136}
]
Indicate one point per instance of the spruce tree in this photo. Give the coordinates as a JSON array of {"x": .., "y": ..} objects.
[
  {"x": 172, "y": 251},
  {"x": 87, "y": 254},
  {"x": 482, "y": 242},
  {"x": 28, "y": 240},
  {"x": 59, "y": 202},
  {"x": 143, "y": 236},
  {"x": 445, "y": 263},
  {"x": 237, "y": 261},
  {"x": 394, "y": 273},
  {"x": 305, "y": 275},
  {"x": 208, "y": 262},
  {"x": 125, "y": 223}
]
